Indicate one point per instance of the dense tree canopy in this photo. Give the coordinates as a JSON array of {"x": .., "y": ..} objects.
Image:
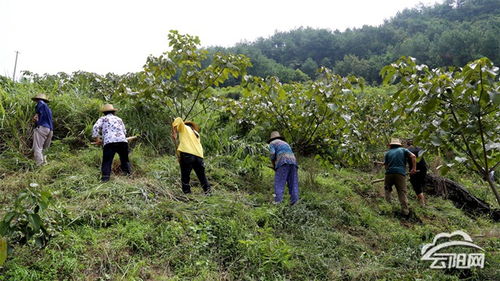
[{"x": 447, "y": 34}]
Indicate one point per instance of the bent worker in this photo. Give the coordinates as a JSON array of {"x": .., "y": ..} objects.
[
  {"x": 44, "y": 130},
  {"x": 114, "y": 140},
  {"x": 286, "y": 168},
  {"x": 395, "y": 165},
  {"x": 189, "y": 153},
  {"x": 417, "y": 180}
]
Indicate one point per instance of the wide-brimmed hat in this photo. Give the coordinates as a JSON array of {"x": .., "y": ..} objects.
[
  {"x": 108, "y": 107},
  {"x": 395, "y": 141},
  {"x": 41, "y": 96},
  {"x": 274, "y": 136},
  {"x": 193, "y": 125}
]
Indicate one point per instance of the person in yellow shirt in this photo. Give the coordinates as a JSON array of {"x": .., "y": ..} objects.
[{"x": 189, "y": 153}]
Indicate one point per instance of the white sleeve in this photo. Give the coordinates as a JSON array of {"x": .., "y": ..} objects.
[{"x": 96, "y": 130}]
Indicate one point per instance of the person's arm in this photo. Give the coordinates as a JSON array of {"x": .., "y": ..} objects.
[
  {"x": 413, "y": 163},
  {"x": 272, "y": 156},
  {"x": 174, "y": 134},
  {"x": 96, "y": 132},
  {"x": 36, "y": 117},
  {"x": 385, "y": 161},
  {"x": 176, "y": 126}
]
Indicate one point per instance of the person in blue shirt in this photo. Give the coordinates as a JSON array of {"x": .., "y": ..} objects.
[
  {"x": 285, "y": 165},
  {"x": 395, "y": 165},
  {"x": 44, "y": 128}
]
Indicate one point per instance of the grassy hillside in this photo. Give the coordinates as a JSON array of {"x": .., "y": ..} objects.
[{"x": 144, "y": 228}]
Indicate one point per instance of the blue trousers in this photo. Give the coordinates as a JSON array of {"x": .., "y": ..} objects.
[{"x": 286, "y": 174}]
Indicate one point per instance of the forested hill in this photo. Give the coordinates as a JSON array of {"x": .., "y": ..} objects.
[{"x": 447, "y": 34}]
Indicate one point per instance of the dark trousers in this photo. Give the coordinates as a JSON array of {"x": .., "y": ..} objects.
[
  {"x": 108, "y": 153},
  {"x": 190, "y": 162},
  {"x": 418, "y": 181}
]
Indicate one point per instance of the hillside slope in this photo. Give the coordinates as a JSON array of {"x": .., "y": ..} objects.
[{"x": 143, "y": 228}]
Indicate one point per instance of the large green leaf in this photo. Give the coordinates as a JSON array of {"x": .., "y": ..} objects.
[
  {"x": 35, "y": 221},
  {"x": 495, "y": 97},
  {"x": 436, "y": 141},
  {"x": 430, "y": 106}
]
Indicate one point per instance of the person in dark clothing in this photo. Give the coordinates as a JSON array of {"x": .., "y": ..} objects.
[
  {"x": 115, "y": 141},
  {"x": 417, "y": 179},
  {"x": 189, "y": 153}
]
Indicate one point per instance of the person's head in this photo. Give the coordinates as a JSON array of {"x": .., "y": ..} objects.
[
  {"x": 108, "y": 109},
  {"x": 40, "y": 97},
  {"x": 409, "y": 142},
  {"x": 193, "y": 126},
  {"x": 275, "y": 135},
  {"x": 395, "y": 143}
]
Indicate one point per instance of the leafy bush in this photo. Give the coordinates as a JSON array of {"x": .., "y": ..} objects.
[
  {"x": 23, "y": 221},
  {"x": 456, "y": 110}
]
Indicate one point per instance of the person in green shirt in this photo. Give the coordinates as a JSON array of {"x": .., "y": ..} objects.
[{"x": 395, "y": 165}]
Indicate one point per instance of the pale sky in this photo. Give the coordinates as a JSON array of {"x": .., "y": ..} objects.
[{"x": 117, "y": 35}]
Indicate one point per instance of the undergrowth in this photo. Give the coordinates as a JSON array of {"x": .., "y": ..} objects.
[{"x": 144, "y": 228}]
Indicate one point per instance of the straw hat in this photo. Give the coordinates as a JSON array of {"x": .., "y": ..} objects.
[
  {"x": 40, "y": 96},
  {"x": 395, "y": 141},
  {"x": 108, "y": 107},
  {"x": 193, "y": 125},
  {"x": 274, "y": 135}
]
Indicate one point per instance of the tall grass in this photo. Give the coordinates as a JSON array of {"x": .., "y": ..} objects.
[
  {"x": 143, "y": 228},
  {"x": 74, "y": 114},
  {"x": 16, "y": 125}
]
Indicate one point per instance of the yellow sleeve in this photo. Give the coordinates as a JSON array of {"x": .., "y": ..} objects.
[{"x": 179, "y": 123}]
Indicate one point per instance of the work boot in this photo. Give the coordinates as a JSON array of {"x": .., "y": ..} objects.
[
  {"x": 126, "y": 169},
  {"x": 207, "y": 192}
]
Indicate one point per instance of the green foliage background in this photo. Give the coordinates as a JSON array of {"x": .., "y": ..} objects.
[
  {"x": 449, "y": 33},
  {"x": 61, "y": 223}
]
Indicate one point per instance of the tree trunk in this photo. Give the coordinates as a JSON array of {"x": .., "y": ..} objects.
[
  {"x": 493, "y": 188},
  {"x": 461, "y": 198}
]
